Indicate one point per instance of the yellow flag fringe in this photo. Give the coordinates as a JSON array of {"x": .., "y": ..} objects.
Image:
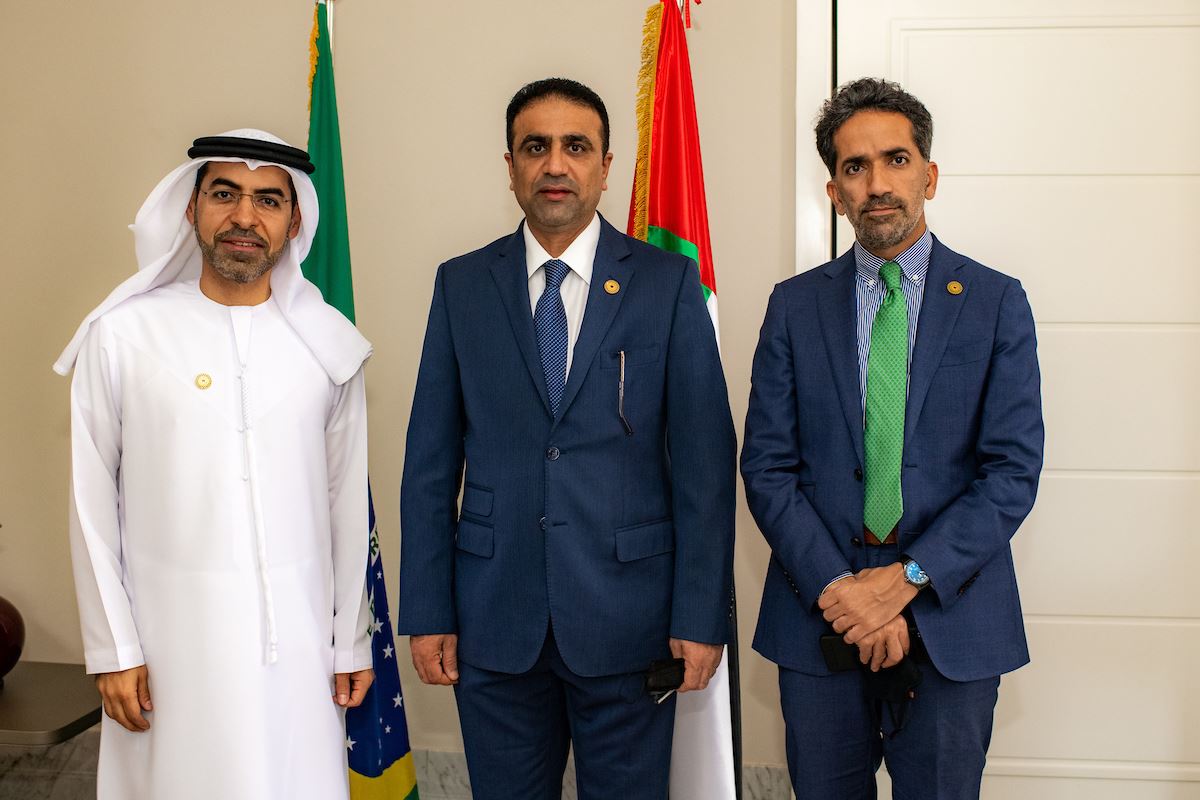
[
  {"x": 312, "y": 54},
  {"x": 645, "y": 116}
]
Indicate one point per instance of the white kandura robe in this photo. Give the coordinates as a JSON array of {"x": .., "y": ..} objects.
[{"x": 206, "y": 520}]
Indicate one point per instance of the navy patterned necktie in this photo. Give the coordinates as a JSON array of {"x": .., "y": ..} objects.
[{"x": 550, "y": 322}]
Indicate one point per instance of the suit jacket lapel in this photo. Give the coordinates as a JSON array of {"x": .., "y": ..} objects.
[
  {"x": 611, "y": 263},
  {"x": 939, "y": 312},
  {"x": 512, "y": 279},
  {"x": 835, "y": 306}
]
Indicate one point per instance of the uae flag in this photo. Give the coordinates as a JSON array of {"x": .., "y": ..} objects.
[
  {"x": 377, "y": 747},
  {"x": 668, "y": 207},
  {"x": 668, "y": 210}
]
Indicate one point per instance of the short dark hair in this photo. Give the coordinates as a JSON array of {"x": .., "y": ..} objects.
[
  {"x": 870, "y": 94},
  {"x": 564, "y": 88},
  {"x": 200, "y": 173}
]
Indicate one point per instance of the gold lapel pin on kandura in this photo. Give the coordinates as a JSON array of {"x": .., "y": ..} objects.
[
  {"x": 611, "y": 286},
  {"x": 954, "y": 287},
  {"x": 203, "y": 380}
]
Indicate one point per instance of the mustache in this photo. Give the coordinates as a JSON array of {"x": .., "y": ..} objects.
[
  {"x": 884, "y": 201},
  {"x": 558, "y": 183},
  {"x": 240, "y": 233}
]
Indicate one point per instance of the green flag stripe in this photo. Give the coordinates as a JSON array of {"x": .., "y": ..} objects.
[
  {"x": 328, "y": 261},
  {"x": 665, "y": 240}
]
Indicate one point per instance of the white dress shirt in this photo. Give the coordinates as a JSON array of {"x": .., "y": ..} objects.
[{"x": 579, "y": 256}]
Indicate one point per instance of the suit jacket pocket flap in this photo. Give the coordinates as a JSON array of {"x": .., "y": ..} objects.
[
  {"x": 645, "y": 540},
  {"x": 633, "y": 356},
  {"x": 477, "y": 501},
  {"x": 966, "y": 352},
  {"x": 475, "y": 538}
]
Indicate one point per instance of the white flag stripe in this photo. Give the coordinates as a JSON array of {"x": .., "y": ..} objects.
[{"x": 702, "y": 754}]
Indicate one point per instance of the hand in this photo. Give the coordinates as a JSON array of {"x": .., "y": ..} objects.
[
  {"x": 700, "y": 662},
  {"x": 349, "y": 688},
  {"x": 435, "y": 657},
  {"x": 862, "y": 605},
  {"x": 885, "y": 647},
  {"x": 126, "y": 695}
]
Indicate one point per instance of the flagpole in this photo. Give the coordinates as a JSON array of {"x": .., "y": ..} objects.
[
  {"x": 735, "y": 690},
  {"x": 329, "y": 23}
]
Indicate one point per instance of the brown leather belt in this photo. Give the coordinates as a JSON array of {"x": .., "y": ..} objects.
[{"x": 872, "y": 540}]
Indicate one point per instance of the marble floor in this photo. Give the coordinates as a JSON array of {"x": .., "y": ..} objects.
[{"x": 68, "y": 772}]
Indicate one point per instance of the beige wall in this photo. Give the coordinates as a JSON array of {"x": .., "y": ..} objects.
[{"x": 101, "y": 100}]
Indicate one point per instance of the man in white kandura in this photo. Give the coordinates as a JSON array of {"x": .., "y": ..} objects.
[{"x": 219, "y": 493}]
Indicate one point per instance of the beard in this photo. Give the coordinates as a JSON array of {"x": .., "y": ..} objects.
[
  {"x": 881, "y": 234},
  {"x": 239, "y": 267}
]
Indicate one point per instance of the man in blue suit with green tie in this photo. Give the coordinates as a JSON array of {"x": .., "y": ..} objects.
[
  {"x": 893, "y": 446},
  {"x": 573, "y": 372}
]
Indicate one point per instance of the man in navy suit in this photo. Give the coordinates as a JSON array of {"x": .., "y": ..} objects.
[
  {"x": 889, "y": 472},
  {"x": 574, "y": 371}
]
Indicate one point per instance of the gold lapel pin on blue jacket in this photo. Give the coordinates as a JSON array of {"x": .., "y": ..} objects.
[
  {"x": 954, "y": 287},
  {"x": 611, "y": 286}
]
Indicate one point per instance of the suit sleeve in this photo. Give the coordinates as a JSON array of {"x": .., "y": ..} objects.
[
  {"x": 110, "y": 636},
  {"x": 977, "y": 525},
  {"x": 771, "y": 463},
  {"x": 703, "y": 452},
  {"x": 346, "y": 456},
  {"x": 433, "y": 462}
]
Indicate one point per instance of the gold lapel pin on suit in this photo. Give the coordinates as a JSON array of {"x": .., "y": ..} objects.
[
  {"x": 203, "y": 380},
  {"x": 954, "y": 287},
  {"x": 611, "y": 286}
]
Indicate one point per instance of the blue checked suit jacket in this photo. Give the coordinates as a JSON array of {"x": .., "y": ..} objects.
[
  {"x": 972, "y": 456},
  {"x": 619, "y": 541}
]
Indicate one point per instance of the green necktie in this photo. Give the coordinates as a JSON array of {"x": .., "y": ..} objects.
[{"x": 887, "y": 389}]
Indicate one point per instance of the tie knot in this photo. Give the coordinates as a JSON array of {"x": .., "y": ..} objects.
[
  {"x": 556, "y": 271},
  {"x": 890, "y": 272}
]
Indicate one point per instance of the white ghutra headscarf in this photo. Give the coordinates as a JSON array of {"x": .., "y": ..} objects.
[{"x": 167, "y": 252}]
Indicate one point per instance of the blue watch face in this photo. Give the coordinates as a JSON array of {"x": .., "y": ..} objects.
[{"x": 914, "y": 574}]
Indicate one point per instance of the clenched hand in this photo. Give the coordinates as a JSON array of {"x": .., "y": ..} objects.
[
  {"x": 435, "y": 658},
  {"x": 126, "y": 695}
]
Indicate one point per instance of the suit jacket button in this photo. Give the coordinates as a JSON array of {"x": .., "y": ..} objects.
[
  {"x": 542, "y": 523},
  {"x": 858, "y": 474},
  {"x": 553, "y": 454},
  {"x": 857, "y": 542}
]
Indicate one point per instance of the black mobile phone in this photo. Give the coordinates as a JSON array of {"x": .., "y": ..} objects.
[
  {"x": 839, "y": 656},
  {"x": 842, "y": 657},
  {"x": 664, "y": 676}
]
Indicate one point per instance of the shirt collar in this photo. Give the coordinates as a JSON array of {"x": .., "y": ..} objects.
[
  {"x": 579, "y": 256},
  {"x": 914, "y": 262}
]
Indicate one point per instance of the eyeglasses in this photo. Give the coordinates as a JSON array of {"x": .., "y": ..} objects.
[{"x": 266, "y": 204}]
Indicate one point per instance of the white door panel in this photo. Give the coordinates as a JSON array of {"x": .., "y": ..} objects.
[
  {"x": 1051, "y": 246},
  {"x": 1103, "y": 697},
  {"x": 1121, "y": 397},
  {"x": 1084, "y": 529},
  {"x": 1054, "y": 96}
]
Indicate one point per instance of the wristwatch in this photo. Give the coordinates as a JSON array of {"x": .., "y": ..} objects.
[{"x": 913, "y": 574}]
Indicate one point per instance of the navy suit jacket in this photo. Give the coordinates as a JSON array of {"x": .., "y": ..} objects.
[
  {"x": 620, "y": 541},
  {"x": 972, "y": 455}
]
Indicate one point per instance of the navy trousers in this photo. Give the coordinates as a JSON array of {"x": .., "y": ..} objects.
[
  {"x": 835, "y": 747},
  {"x": 517, "y": 730}
]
